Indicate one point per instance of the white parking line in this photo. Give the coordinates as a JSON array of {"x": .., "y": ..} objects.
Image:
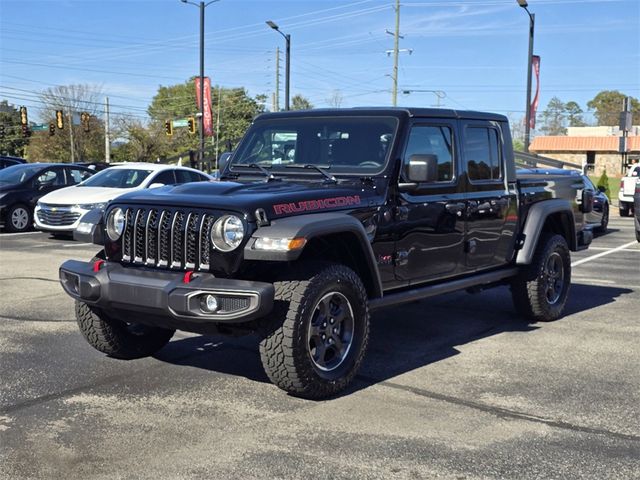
[
  {"x": 20, "y": 233},
  {"x": 602, "y": 254}
]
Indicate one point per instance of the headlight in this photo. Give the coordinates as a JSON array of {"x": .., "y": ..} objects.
[
  {"x": 115, "y": 224},
  {"x": 91, "y": 206},
  {"x": 227, "y": 233}
]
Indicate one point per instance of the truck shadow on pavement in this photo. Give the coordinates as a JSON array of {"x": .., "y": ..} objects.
[{"x": 401, "y": 339}]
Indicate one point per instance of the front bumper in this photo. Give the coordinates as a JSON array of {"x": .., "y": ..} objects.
[
  {"x": 56, "y": 225},
  {"x": 165, "y": 294}
]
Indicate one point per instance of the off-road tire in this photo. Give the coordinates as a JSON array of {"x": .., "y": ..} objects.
[
  {"x": 119, "y": 339},
  {"x": 529, "y": 289},
  {"x": 604, "y": 223},
  {"x": 625, "y": 211},
  {"x": 9, "y": 220},
  {"x": 284, "y": 344}
]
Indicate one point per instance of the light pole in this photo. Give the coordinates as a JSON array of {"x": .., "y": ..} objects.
[
  {"x": 202, "y": 5},
  {"x": 287, "y": 37},
  {"x": 527, "y": 123}
]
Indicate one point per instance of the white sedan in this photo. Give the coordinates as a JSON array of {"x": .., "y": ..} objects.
[{"x": 60, "y": 211}]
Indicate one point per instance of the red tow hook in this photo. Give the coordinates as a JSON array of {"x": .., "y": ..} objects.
[
  {"x": 188, "y": 276},
  {"x": 97, "y": 264}
]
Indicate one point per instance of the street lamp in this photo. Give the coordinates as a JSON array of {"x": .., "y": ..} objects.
[
  {"x": 201, "y": 6},
  {"x": 287, "y": 37},
  {"x": 527, "y": 124}
]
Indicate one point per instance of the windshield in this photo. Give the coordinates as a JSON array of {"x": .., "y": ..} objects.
[
  {"x": 18, "y": 173},
  {"x": 117, "y": 178},
  {"x": 350, "y": 145}
]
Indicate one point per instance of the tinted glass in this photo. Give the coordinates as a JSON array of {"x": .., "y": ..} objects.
[
  {"x": 432, "y": 140},
  {"x": 482, "y": 150},
  {"x": 76, "y": 175},
  {"x": 18, "y": 173},
  {"x": 186, "y": 176},
  {"x": 342, "y": 144},
  {"x": 51, "y": 178},
  {"x": 166, "y": 178},
  {"x": 117, "y": 178}
]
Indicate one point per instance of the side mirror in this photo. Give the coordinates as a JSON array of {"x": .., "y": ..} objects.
[
  {"x": 223, "y": 161},
  {"x": 602, "y": 189},
  {"x": 422, "y": 168},
  {"x": 156, "y": 185}
]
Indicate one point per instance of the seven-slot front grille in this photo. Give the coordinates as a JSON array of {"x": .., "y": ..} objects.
[
  {"x": 167, "y": 238},
  {"x": 57, "y": 216}
]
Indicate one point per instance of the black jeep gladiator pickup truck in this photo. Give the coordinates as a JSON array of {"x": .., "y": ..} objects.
[{"x": 321, "y": 217}]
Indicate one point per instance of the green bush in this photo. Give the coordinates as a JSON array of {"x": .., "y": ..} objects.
[{"x": 603, "y": 181}]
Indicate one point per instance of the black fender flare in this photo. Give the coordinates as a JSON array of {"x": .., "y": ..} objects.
[
  {"x": 308, "y": 227},
  {"x": 536, "y": 218}
]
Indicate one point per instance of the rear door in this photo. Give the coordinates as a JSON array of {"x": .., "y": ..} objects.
[
  {"x": 491, "y": 196},
  {"x": 430, "y": 219}
]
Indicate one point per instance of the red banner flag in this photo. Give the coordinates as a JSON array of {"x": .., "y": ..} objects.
[
  {"x": 207, "y": 115},
  {"x": 535, "y": 62}
]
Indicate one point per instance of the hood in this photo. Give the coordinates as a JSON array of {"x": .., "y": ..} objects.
[
  {"x": 277, "y": 198},
  {"x": 77, "y": 195}
]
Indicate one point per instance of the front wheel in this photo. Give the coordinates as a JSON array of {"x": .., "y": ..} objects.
[
  {"x": 117, "y": 338},
  {"x": 624, "y": 210},
  {"x": 314, "y": 341},
  {"x": 19, "y": 218},
  {"x": 541, "y": 289}
]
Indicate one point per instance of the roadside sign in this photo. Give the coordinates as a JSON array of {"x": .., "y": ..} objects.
[
  {"x": 40, "y": 128},
  {"x": 181, "y": 122}
]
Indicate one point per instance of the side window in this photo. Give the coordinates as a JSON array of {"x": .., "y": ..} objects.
[
  {"x": 76, "y": 175},
  {"x": 51, "y": 178},
  {"x": 482, "y": 150},
  {"x": 185, "y": 176},
  {"x": 166, "y": 178},
  {"x": 432, "y": 140}
]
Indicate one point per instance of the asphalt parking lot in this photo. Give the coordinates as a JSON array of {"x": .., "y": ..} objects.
[{"x": 453, "y": 387}]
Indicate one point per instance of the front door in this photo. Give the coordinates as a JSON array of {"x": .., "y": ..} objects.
[{"x": 430, "y": 219}]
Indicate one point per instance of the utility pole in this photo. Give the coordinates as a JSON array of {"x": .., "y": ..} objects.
[
  {"x": 396, "y": 41},
  {"x": 527, "y": 121},
  {"x": 73, "y": 154},
  {"x": 107, "y": 140},
  {"x": 277, "y": 108},
  {"x": 218, "y": 126}
]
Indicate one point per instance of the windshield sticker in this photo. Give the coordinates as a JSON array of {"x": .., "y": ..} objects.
[{"x": 311, "y": 205}]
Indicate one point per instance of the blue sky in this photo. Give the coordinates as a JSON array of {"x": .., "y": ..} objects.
[{"x": 474, "y": 50}]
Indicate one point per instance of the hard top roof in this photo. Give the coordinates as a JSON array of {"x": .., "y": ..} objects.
[{"x": 417, "y": 112}]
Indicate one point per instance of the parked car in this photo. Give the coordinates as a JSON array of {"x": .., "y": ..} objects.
[
  {"x": 375, "y": 208},
  {"x": 636, "y": 216},
  {"x": 627, "y": 189},
  {"x": 6, "y": 161},
  {"x": 60, "y": 211},
  {"x": 598, "y": 218},
  {"x": 96, "y": 166},
  {"x": 21, "y": 186}
]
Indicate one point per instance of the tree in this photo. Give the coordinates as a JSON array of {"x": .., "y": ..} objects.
[
  {"x": 237, "y": 110},
  {"x": 298, "y": 102},
  {"x": 12, "y": 143},
  {"x": 553, "y": 118},
  {"x": 574, "y": 114},
  {"x": 517, "y": 132},
  {"x": 607, "y": 105},
  {"x": 142, "y": 143},
  {"x": 335, "y": 100},
  {"x": 72, "y": 100}
]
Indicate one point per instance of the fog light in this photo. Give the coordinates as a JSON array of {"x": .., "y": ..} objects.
[{"x": 208, "y": 303}]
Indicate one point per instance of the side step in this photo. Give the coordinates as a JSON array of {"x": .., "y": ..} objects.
[{"x": 441, "y": 288}]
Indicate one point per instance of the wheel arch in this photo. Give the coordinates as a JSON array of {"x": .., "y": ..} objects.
[{"x": 553, "y": 216}]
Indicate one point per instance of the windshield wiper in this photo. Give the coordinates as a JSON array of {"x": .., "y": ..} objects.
[
  {"x": 270, "y": 176},
  {"x": 311, "y": 166}
]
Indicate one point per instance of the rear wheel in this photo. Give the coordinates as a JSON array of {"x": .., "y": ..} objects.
[
  {"x": 118, "y": 338},
  {"x": 313, "y": 343},
  {"x": 541, "y": 289},
  {"x": 18, "y": 218},
  {"x": 624, "y": 209}
]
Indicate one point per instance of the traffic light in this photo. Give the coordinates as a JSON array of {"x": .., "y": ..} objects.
[
  {"x": 52, "y": 129},
  {"x": 25, "y": 131},
  {"x": 59, "y": 119},
  {"x": 168, "y": 127},
  {"x": 192, "y": 124},
  {"x": 84, "y": 118},
  {"x": 23, "y": 116},
  {"x": 2, "y": 132}
]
